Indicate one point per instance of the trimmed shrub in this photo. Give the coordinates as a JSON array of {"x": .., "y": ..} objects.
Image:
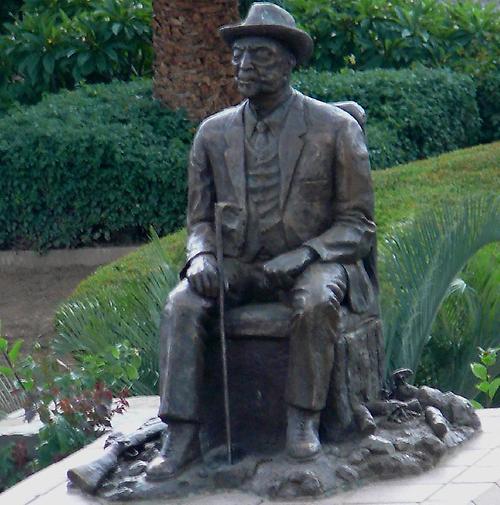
[
  {"x": 400, "y": 193},
  {"x": 103, "y": 163},
  {"x": 412, "y": 113},
  {"x": 124, "y": 299},
  {"x": 386, "y": 150},
  {"x": 488, "y": 99},
  {"x": 106, "y": 162}
]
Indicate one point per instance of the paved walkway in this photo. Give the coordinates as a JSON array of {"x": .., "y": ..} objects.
[
  {"x": 34, "y": 285},
  {"x": 469, "y": 476}
]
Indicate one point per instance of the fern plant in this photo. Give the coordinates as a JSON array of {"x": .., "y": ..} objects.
[
  {"x": 133, "y": 314},
  {"x": 419, "y": 261},
  {"x": 469, "y": 318}
]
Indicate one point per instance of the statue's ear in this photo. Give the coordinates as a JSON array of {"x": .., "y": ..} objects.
[{"x": 355, "y": 110}]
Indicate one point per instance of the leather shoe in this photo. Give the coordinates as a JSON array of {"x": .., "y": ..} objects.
[
  {"x": 181, "y": 446},
  {"x": 302, "y": 439}
]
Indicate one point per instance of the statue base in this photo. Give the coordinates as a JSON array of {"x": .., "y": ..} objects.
[{"x": 396, "y": 448}]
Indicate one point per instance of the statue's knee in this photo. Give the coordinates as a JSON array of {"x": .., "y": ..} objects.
[
  {"x": 183, "y": 299},
  {"x": 318, "y": 300}
]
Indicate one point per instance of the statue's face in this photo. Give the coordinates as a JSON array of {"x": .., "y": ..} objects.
[{"x": 263, "y": 65}]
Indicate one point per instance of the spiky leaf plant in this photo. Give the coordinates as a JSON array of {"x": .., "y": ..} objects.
[
  {"x": 132, "y": 314},
  {"x": 419, "y": 260},
  {"x": 469, "y": 318}
]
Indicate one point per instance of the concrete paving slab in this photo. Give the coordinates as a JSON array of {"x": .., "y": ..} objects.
[
  {"x": 383, "y": 494},
  {"x": 439, "y": 475},
  {"x": 447, "y": 484},
  {"x": 492, "y": 458},
  {"x": 490, "y": 497},
  {"x": 486, "y": 440},
  {"x": 456, "y": 493},
  {"x": 479, "y": 474},
  {"x": 463, "y": 457}
]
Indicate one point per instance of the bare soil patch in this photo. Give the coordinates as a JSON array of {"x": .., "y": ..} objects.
[{"x": 29, "y": 299}]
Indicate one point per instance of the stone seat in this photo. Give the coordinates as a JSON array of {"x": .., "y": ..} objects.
[
  {"x": 257, "y": 350},
  {"x": 273, "y": 320}
]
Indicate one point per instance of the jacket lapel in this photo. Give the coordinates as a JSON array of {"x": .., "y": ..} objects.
[
  {"x": 291, "y": 144},
  {"x": 234, "y": 154}
]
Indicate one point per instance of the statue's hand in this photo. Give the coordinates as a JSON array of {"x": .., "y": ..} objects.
[
  {"x": 282, "y": 269},
  {"x": 203, "y": 276}
]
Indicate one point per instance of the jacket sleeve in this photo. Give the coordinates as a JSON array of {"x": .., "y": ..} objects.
[
  {"x": 352, "y": 234},
  {"x": 201, "y": 198}
]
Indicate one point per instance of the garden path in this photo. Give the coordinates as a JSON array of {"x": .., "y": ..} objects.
[
  {"x": 32, "y": 287},
  {"x": 29, "y": 299}
]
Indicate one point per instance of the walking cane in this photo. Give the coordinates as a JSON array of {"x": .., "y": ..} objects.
[{"x": 219, "y": 209}]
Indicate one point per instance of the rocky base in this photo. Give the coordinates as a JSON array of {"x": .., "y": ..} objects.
[{"x": 396, "y": 447}]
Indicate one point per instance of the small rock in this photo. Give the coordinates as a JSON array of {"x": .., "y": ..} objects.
[
  {"x": 305, "y": 483},
  {"x": 436, "y": 421},
  {"x": 149, "y": 454},
  {"x": 123, "y": 493},
  {"x": 331, "y": 450},
  {"x": 403, "y": 445},
  {"x": 202, "y": 473},
  {"x": 378, "y": 445},
  {"x": 347, "y": 473},
  {"x": 432, "y": 445},
  {"x": 137, "y": 468},
  {"x": 358, "y": 456}
]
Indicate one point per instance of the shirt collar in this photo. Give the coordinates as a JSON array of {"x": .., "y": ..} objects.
[{"x": 274, "y": 120}]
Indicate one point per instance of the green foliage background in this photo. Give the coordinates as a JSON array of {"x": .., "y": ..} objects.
[
  {"x": 412, "y": 114},
  {"x": 106, "y": 162},
  {"x": 100, "y": 164},
  {"x": 488, "y": 99},
  {"x": 366, "y": 34},
  {"x": 56, "y": 44},
  {"x": 125, "y": 297}
]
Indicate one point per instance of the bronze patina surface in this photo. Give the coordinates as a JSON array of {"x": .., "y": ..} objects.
[{"x": 310, "y": 412}]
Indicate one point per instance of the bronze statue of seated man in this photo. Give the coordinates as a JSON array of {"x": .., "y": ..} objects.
[{"x": 299, "y": 228}]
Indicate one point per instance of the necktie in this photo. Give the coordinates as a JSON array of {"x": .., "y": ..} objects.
[{"x": 261, "y": 140}]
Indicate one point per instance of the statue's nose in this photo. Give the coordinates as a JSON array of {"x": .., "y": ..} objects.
[{"x": 246, "y": 62}]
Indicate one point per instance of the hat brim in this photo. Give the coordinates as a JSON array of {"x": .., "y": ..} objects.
[{"x": 299, "y": 42}]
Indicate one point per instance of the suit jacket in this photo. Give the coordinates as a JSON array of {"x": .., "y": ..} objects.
[{"x": 326, "y": 194}]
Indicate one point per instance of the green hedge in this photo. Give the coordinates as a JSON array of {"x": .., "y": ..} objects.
[
  {"x": 400, "y": 193},
  {"x": 488, "y": 99},
  {"x": 102, "y": 163},
  {"x": 106, "y": 162},
  {"x": 412, "y": 114}
]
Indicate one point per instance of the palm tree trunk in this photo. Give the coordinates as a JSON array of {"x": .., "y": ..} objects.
[{"x": 192, "y": 67}]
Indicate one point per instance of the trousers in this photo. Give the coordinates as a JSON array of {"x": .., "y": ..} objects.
[{"x": 315, "y": 297}]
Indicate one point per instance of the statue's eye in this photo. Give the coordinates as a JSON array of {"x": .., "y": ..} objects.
[
  {"x": 237, "y": 53},
  {"x": 263, "y": 53}
]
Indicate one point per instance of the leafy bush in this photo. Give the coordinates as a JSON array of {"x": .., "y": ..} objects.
[
  {"x": 102, "y": 163},
  {"x": 488, "y": 99},
  {"x": 363, "y": 34},
  {"x": 15, "y": 465},
  {"x": 58, "y": 43},
  {"x": 75, "y": 405},
  {"x": 8, "y": 9},
  {"x": 411, "y": 113},
  {"x": 125, "y": 298},
  {"x": 106, "y": 162},
  {"x": 488, "y": 383}
]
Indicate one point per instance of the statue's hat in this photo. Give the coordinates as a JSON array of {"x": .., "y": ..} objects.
[{"x": 268, "y": 20}]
